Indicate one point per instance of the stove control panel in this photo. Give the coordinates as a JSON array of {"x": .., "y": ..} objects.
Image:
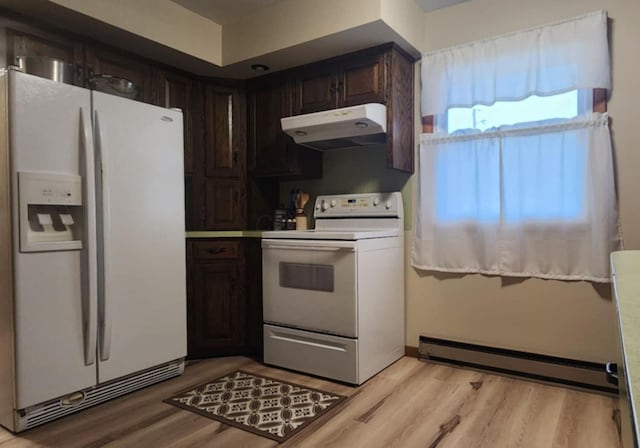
[{"x": 359, "y": 205}]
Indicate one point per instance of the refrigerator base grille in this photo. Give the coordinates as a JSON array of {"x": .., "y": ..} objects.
[{"x": 52, "y": 410}]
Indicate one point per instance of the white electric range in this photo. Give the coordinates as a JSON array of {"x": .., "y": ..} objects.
[{"x": 333, "y": 297}]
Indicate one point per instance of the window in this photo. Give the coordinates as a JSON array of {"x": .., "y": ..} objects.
[
  {"x": 516, "y": 170},
  {"x": 531, "y": 109},
  {"x": 525, "y": 198}
]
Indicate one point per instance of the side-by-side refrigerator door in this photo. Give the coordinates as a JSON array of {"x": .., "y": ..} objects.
[
  {"x": 142, "y": 299},
  {"x": 53, "y": 213}
]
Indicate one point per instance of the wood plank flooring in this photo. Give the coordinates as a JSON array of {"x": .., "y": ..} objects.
[{"x": 410, "y": 404}]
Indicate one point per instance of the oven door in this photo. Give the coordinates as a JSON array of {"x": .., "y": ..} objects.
[{"x": 310, "y": 284}]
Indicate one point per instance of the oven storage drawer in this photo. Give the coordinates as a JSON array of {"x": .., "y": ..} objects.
[{"x": 319, "y": 354}]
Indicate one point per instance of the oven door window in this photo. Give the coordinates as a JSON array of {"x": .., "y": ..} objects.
[{"x": 311, "y": 277}]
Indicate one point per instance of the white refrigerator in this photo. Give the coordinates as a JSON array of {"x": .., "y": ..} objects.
[{"x": 92, "y": 249}]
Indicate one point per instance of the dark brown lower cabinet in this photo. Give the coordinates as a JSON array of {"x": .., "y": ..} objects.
[
  {"x": 225, "y": 204},
  {"x": 221, "y": 308}
]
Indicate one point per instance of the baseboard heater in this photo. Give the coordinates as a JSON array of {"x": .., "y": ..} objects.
[{"x": 551, "y": 369}]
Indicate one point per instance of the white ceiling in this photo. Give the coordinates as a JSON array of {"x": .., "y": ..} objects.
[{"x": 224, "y": 11}]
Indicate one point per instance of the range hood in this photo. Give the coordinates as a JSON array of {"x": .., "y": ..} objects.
[{"x": 347, "y": 127}]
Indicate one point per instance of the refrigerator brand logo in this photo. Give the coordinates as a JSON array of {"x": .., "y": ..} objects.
[{"x": 165, "y": 118}]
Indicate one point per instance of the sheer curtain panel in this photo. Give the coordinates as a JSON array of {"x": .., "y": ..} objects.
[
  {"x": 532, "y": 199},
  {"x": 535, "y": 201}
]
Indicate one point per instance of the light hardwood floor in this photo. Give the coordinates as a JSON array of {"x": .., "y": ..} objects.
[{"x": 410, "y": 404}]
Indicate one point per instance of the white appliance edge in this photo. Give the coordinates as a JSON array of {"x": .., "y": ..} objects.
[{"x": 55, "y": 303}]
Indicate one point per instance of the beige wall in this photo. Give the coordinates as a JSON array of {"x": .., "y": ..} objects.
[
  {"x": 568, "y": 319},
  {"x": 162, "y": 21},
  {"x": 404, "y": 16}
]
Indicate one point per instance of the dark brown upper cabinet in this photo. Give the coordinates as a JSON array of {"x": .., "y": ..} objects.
[
  {"x": 225, "y": 132},
  {"x": 271, "y": 152},
  {"x": 381, "y": 74},
  {"x": 25, "y": 44},
  {"x": 363, "y": 80},
  {"x": 103, "y": 61},
  {"x": 315, "y": 90},
  {"x": 378, "y": 75},
  {"x": 357, "y": 80}
]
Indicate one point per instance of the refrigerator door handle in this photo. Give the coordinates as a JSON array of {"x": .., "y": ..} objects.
[
  {"x": 90, "y": 294},
  {"x": 104, "y": 308}
]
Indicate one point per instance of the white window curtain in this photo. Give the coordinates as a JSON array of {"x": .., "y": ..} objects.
[
  {"x": 567, "y": 55},
  {"x": 533, "y": 199}
]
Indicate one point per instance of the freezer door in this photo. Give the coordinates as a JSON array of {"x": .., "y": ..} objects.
[
  {"x": 55, "y": 312},
  {"x": 142, "y": 297}
]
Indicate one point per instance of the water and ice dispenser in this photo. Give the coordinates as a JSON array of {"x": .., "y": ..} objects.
[{"x": 51, "y": 215}]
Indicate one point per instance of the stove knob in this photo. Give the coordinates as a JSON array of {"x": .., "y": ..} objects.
[
  {"x": 388, "y": 205},
  {"x": 333, "y": 203},
  {"x": 376, "y": 202},
  {"x": 325, "y": 206}
]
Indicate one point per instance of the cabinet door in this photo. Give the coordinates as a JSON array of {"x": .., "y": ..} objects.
[
  {"x": 101, "y": 61},
  {"x": 269, "y": 152},
  {"x": 216, "y": 324},
  {"x": 225, "y": 199},
  {"x": 225, "y": 132},
  {"x": 272, "y": 153},
  {"x": 315, "y": 90},
  {"x": 176, "y": 91},
  {"x": 363, "y": 80},
  {"x": 24, "y": 44}
]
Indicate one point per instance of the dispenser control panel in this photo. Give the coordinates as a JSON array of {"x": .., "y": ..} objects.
[{"x": 46, "y": 188}]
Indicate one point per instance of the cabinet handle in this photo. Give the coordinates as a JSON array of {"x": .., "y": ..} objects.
[
  {"x": 216, "y": 251},
  {"x": 78, "y": 68},
  {"x": 235, "y": 158},
  {"x": 203, "y": 216},
  {"x": 612, "y": 373},
  {"x": 235, "y": 197}
]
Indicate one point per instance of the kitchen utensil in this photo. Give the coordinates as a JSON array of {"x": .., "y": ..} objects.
[
  {"x": 114, "y": 85},
  {"x": 304, "y": 198},
  {"x": 46, "y": 67}
]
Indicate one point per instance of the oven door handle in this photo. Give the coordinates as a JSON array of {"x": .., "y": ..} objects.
[
  {"x": 317, "y": 246},
  {"x": 310, "y": 248}
]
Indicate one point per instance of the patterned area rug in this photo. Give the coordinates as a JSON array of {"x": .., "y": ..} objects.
[{"x": 265, "y": 406}]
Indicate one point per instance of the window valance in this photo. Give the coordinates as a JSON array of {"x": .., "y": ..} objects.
[{"x": 554, "y": 58}]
